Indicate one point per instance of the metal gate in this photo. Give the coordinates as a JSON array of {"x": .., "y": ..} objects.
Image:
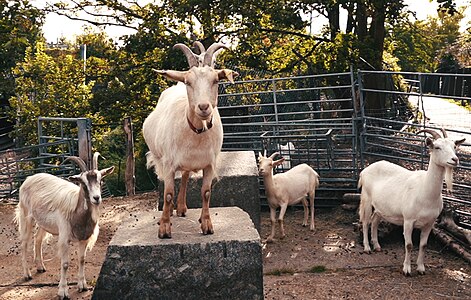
[
  {"x": 308, "y": 119},
  {"x": 58, "y": 138}
]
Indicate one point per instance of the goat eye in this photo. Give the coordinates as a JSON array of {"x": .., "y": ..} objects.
[{"x": 437, "y": 148}]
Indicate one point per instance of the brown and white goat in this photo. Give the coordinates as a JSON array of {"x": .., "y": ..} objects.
[
  {"x": 62, "y": 208},
  {"x": 184, "y": 132},
  {"x": 287, "y": 188},
  {"x": 412, "y": 199}
]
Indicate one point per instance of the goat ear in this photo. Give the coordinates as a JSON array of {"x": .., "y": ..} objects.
[
  {"x": 276, "y": 163},
  {"x": 459, "y": 142},
  {"x": 75, "y": 178},
  {"x": 429, "y": 142},
  {"x": 173, "y": 75},
  {"x": 227, "y": 74},
  {"x": 107, "y": 171}
]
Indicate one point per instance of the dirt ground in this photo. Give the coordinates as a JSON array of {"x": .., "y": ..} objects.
[{"x": 325, "y": 264}]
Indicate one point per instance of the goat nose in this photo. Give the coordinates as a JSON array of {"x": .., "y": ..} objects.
[
  {"x": 97, "y": 198},
  {"x": 455, "y": 159},
  {"x": 204, "y": 106}
]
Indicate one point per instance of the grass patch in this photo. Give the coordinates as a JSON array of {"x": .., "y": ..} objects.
[
  {"x": 279, "y": 272},
  {"x": 318, "y": 269},
  {"x": 460, "y": 103}
]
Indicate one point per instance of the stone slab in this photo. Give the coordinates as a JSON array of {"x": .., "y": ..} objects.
[
  {"x": 238, "y": 185},
  {"x": 190, "y": 265}
]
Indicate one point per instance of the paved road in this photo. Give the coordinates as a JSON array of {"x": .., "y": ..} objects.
[{"x": 442, "y": 113}]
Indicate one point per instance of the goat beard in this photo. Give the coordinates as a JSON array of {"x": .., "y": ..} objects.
[
  {"x": 205, "y": 125},
  {"x": 449, "y": 179}
]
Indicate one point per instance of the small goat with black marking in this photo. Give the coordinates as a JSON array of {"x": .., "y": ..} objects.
[{"x": 62, "y": 208}]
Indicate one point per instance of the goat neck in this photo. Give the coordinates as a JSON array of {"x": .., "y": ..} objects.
[
  {"x": 433, "y": 178},
  {"x": 85, "y": 217}
]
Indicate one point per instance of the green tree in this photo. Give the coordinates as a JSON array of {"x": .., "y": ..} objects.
[
  {"x": 420, "y": 45},
  {"x": 49, "y": 87},
  {"x": 20, "y": 27}
]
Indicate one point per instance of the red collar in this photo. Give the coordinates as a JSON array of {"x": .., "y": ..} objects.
[{"x": 201, "y": 130}]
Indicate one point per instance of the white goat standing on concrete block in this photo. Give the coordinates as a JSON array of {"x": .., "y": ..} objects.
[
  {"x": 288, "y": 188},
  {"x": 61, "y": 208},
  {"x": 412, "y": 199},
  {"x": 184, "y": 132}
]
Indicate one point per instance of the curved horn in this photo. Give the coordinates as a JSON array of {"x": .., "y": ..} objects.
[
  {"x": 190, "y": 56},
  {"x": 78, "y": 161},
  {"x": 95, "y": 161},
  {"x": 208, "y": 56},
  {"x": 273, "y": 155},
  {"x": 445, "y": 135},
  {"x": 200, "y": 46},
  {"x": 430, "y": 131}
]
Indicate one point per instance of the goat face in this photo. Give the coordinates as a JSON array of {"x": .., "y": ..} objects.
[
  {"x": 202, "y": 90},
  {"x": 443, "y": 151},
  {"x": 266, "y": 164},
  {"x": 201, "y": 86},
  {"x": 91, "y": 183}
]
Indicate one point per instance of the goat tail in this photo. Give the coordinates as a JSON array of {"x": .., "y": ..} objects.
[
  {"x": 23, "y": 220},
  {"x": 151, "y": 160}
]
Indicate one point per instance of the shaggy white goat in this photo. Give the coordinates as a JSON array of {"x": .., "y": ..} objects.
[
  {"x": 61, "y": 208},
  {"x": 412, "y": 199},
  {"x": 288, "y": 188},
  {"x": 184, "y": 132}
]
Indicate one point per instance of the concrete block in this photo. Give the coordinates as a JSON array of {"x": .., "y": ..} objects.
[
  {"x": 237, "y": 185},
  {"x": 190, "y": 265}
]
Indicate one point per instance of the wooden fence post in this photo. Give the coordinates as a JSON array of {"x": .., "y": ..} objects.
[
  {"x": 84, "y": 126},
  {"x": 130, "y": 160}
]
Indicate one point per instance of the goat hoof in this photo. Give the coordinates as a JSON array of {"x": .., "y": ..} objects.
[
  {"x": 41, "y": 270},
  {"x": 84, "y": 289},
  {"x": 378, "y": 249},
  {"x": 407, "y": 274},
  {"x": 208, "y": 230},
  {"x": 165, "y": 235},
  {"x": 165, "y": 231},
  {"x": 28, "y": 278}
]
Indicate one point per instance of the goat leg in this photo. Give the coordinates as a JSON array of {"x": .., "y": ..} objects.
[
  {"x": 181, "y": 199},
  {"x": 311, "y": 202},
  {"x": 280, "y": 220},
  {"x": 408, "y": 227},
  {"x": 375, "y": 219},
  {"x": 26, "y": 231},
  {"x": 205, "y": 218},
  {"x": 164, "y": 223},
  {"x": 82, "y": 283},
  {"x": 424, "y": 233},
  {"x": 63, "y": 244},
  {"x": 38, "y": 251},
  {"x": 306, "y": 211}
]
